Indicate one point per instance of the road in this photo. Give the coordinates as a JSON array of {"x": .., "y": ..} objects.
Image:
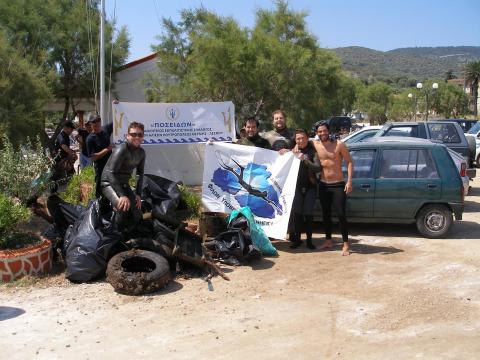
[{"x": 398, "y": 296}]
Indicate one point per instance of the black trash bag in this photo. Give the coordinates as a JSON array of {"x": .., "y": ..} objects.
[
  {"x": 89, "y": 244},
  {"x": 159, "y": 195},
  {"x": 64, "y": 214},
  {"x": 234, "y": 247}
]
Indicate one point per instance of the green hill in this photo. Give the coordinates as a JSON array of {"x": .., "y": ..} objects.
[{"x": 417, "y": 63}]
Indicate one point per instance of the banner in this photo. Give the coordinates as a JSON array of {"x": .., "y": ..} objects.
[
  {"x": 236, "y": 175},
  {"x": 176, "y": 123}
]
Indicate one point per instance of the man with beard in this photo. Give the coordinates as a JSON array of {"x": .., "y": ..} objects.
[
  {"x": 252, "y": 138},
  {"x": 280, "y": 137},
  {"x": 305, "y": 191},
  {"x": 333, "y": 189}
]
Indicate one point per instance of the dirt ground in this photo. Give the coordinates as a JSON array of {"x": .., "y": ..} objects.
[{"x": 398, "y": 296}]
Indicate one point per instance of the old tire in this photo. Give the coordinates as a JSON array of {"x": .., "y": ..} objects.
[
  {"x": 478, "y": 161},
  {"x": 472, "y": 145},
  {"x": 137, "y": 272},
  {"x": 434, "y": 221}
]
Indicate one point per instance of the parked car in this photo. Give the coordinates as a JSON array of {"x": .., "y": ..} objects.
[
  {"x": 474, "y": 135},
  {"x": 448, "y": 133},
  {"x": 361, "y": 135},
  {"x": 336, "y": 124},
  {"x": 398, "y": 181},
  {"x": 465, "y": 124}
]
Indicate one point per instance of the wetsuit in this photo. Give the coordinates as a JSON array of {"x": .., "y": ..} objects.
[
  {"x": 280, "y": 139},
  {"x": 305, "y": 195},
  {"x": 96, "y": 142},
  {"x": 256, "y": 141},
  {"x": 116, "y": 174},
  {"x": 332, "y": 195}
]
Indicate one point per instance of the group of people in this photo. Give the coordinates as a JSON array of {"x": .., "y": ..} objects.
[
  {"x": 321, "y": 166},
  {"x": 113, "y": 165}
]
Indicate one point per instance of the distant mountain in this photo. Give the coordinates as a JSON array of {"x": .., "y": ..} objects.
[{"x": 417, "y": 63}]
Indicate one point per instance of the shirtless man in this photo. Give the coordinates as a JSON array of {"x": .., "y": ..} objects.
[{"x": 332, "y": 188}]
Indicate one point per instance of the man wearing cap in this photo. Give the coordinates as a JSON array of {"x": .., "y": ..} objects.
[
  {"x": 99, "y": 148},
  {"x": 280, "y": 137},
  {"x": 64, "y": 157},
  {"x": 82, "y": 140}
]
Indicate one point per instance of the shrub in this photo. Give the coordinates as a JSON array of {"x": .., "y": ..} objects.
[
  {"x": 11, "y": 214},
  {"x": 192, "y": 200},
  {"x": 81, "y": 187},
  {"x": 24, "y": 172}
]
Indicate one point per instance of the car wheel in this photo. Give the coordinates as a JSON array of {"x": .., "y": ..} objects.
[
  {"x": 137, "y": 272},
  {"x": 478, "y": 161},
  {"x": 434, "y": 221}
]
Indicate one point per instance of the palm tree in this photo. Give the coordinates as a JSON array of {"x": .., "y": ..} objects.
[{"x": 472, "y": 77}]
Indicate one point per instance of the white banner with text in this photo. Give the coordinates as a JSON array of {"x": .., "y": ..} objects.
[{"x": 176, "y": 123}]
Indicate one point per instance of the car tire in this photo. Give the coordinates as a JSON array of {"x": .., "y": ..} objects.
[
  {"x": 478, "y": 161},
  {"x": 138, "y": 272},
  {"x": 434, "y": 221}
]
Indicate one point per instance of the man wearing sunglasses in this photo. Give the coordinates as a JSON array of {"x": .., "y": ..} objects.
[
  {"x": 99, "y": 148},
  {"x": 118, "y": 171}
]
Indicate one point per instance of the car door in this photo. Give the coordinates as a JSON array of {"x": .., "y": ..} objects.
[
  {"x": 406, "y": 179},
  {"x": 360, "y": 200}
]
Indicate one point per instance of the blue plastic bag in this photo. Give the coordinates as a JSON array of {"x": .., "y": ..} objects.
[{"x": 259, "y": 238}]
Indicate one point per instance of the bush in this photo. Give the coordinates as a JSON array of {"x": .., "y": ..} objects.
[
  {"x": 11, "y": 214},
  {"x": 24, "y": 172},
  {"x": 192, "y": 200},
  {"x": 81, "y": 187}
]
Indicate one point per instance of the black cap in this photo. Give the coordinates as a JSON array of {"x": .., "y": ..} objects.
[
  {"x": 93, "y": 118},
  {"x": 69, "y": 124}
]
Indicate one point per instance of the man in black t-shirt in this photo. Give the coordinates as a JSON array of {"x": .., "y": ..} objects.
[
  {"x": 99, "y": 149},
  {"x": 63, "y": 156}
]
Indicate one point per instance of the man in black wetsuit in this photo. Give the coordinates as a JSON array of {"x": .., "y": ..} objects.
[
  {"x": 99, "y": 148},
  {"x": 252, "y": 138},
  {"x": 305, "y": 192},
  {"x": 64, "y": 157},
  {"x": 116, "y": 174}
]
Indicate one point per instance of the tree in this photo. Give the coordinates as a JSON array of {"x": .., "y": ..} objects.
[
  {"x": 450, "y": 101},
  {"x": 376, "y": 100},
  {"x": 23, "y": 91},
  {"x": 61, "y": 37},
  {"x": 472, "y": 77},
  {"x": 277, "y": 64}
]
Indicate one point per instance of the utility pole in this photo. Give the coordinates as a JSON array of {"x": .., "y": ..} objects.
[{"x": 102, "y": 62}]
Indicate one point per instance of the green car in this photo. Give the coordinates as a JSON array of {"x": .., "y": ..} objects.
[{"x": 399, "y": 180}]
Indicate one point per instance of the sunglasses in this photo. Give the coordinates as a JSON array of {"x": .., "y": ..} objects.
[{"x": 136, "y": 134}]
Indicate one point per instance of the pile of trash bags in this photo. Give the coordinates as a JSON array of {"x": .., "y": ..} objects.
[{"x": 87, "y": 237}]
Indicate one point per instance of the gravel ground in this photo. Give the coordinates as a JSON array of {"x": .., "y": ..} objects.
[{"x": 398, "y": 296}]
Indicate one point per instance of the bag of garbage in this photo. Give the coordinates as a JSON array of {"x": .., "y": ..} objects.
[
  {"x": 89, "y": 244},
  {"x": 235, "y": 247},
  {"x": 160, "y": 196},
  {"x": 259, "y": 238}
]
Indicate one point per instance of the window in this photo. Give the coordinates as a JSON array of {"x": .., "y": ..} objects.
[
  {"x": 407, "y": 164},
  {"x": 426, "y": 168},
  {"x": 446, "y": 133},
  {"x": 362, "y": 163},
  {"x": 409, "y": 131}
]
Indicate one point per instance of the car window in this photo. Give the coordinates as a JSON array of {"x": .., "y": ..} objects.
[
  {"x": 474, "y": 129},
  {"x": 426, "y": 168},
  {"x": 446, "y": 133},
  {"x": 407, "y": 164},
  {"x": 402, "y": 131},
  {"x": 361, "y": 136},
  {"x": 362, "y": 163}
]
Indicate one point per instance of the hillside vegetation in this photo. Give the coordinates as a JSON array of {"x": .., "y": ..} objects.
[{"x": 411, "y": 64}]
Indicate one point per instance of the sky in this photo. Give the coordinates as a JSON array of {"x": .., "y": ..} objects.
[{"x": 376, "y": 24}]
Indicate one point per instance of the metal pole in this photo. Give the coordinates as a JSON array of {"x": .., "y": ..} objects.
[
  {"x": 102, "y": 62},
  {"x": 426, "y": 99},
  {"x": 415, "y": 110}
]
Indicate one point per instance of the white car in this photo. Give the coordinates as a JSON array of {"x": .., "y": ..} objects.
[{"x": 361, "y": 135}]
